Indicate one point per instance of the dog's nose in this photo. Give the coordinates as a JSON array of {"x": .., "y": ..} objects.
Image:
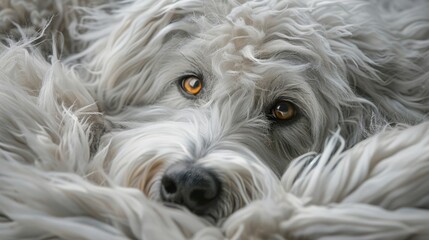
[{"x": 195, "y": 187}]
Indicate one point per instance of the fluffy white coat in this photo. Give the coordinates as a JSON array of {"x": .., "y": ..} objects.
[{"x": 76, "y": 134}]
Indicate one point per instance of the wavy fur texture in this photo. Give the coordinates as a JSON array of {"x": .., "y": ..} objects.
[{"x": 93, "y": 117}]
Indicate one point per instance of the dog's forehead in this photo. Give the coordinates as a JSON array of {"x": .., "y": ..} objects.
[
  {"x": 249, "y": 41},
  {"x": 242, "y": 56}
]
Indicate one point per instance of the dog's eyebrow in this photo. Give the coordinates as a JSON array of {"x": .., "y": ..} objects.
[
  {"x": 195, "y": 62},
  {"x": 265, "y": 89}
]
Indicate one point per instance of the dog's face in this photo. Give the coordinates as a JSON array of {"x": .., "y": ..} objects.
[
  {"x": 222, "y": 97},
  {"x": 202, "y": 159}
]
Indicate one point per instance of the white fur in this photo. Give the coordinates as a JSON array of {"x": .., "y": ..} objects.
[
  {"x": 75, "y": 133},
  {"x": 375, "y": 190},
  {"x": 342, "y": 64}
]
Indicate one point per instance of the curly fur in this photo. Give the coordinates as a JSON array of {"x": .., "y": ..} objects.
[
  {"x": 341, "y": 63},
  {"x": 90, "y": 125}
]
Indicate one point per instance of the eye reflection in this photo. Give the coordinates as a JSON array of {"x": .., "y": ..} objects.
[{"x": 283, "y": 110}]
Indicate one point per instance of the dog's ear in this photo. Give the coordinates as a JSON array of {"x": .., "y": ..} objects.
[{"x": 124, "y": 42}]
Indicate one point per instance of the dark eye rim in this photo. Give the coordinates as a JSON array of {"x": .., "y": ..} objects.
[
  {"x": 273, "y": 119},
  {"x": 185, "y": 76}
]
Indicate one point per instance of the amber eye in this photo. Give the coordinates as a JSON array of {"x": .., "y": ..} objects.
[
  {"x": 192, "y": 85},
  {"x": 283, "y": 110}
]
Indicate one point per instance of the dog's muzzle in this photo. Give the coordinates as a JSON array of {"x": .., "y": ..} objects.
[{"x": 190, "y": 185}]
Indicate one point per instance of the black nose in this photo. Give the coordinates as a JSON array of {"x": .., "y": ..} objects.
[{"x": 195, "y": 187}]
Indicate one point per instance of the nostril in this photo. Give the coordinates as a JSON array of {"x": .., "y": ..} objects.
[
  {"x": 202, "y": 196},
  {"x": 169, "y": 185},
  {"x": 198, "y": 196}
]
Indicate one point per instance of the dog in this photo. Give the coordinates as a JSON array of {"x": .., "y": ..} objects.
[
  {"x": 249, "y": 85},
  {"x": 205, "y": 103}
]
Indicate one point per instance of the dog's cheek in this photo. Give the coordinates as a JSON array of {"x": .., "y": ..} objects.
[
  {"x": 290, "y": 141},
  {"x": 172, "y": 98}
]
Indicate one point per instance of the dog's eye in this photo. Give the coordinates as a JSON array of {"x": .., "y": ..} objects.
[
  {"x": 192, "y": 85},
  {"x": 283, "y": 110}
]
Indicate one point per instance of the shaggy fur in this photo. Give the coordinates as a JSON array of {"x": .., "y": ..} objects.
[
  {"x": 111, "y": 114},
  {"x": 341, "y": 64},
  {"x": 58, "y": 18}
]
